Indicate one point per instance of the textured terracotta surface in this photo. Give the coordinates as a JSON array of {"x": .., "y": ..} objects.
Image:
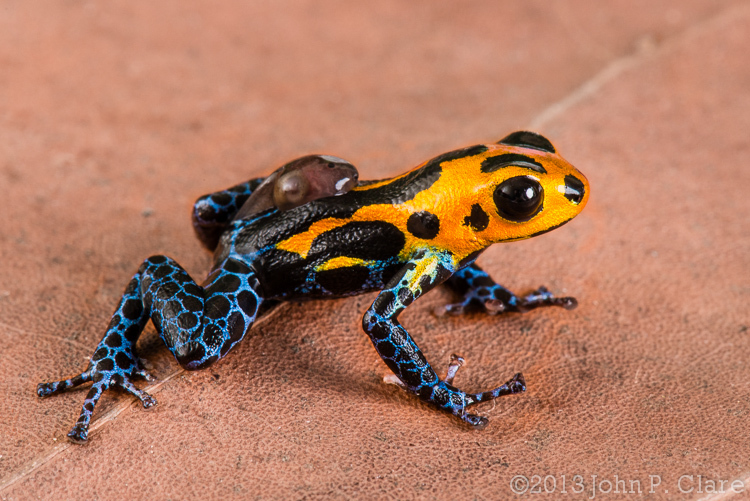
[{"x": 115, "y": 117}]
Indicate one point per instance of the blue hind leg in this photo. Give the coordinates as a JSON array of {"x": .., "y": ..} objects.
[{"x": 198, "y": 324}]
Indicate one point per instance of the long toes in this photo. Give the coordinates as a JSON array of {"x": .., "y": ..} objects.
[
  {"x": 147, "y": 400},
  {"x": 47, "y": 389},
  {"x": 516, "y": 384}
]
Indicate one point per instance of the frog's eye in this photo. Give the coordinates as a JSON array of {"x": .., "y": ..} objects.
[{"x": 519, "y": 198}]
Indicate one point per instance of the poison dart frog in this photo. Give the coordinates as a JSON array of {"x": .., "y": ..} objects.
[{"x": 401, "y": 236}]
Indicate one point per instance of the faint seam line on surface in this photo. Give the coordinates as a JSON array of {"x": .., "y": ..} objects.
[
  {"x": 642, "y": 54},
  {"x": 729, "y": 493},
  {"x": 45, "y": 457}
]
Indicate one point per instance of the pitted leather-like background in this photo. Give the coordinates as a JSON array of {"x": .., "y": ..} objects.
[{"x": 115, "y": 117}]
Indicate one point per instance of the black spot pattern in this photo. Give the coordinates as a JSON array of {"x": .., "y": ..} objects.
[
  {"x": 478, "y": 219},
  {"x": 423, "y": 225},
  {"x": 340, "y": 281},
  {"x": 198, "y": 325},
  {"x": 492, "y": 164},
  {"x": 527, "y": 139},
  {"x": 367, "y": 240}
]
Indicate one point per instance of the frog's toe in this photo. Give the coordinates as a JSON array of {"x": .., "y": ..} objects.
[
  {"x": 453, "y": 309},
  {"x": 478, "y": 422},
  {"x": 79, "y": 434},
  {"x": 514, "y": 385},
  {"x": 47, "y": 389},
  {"x": 147, "y": 400},
  {"x": 543, "y": 297}
]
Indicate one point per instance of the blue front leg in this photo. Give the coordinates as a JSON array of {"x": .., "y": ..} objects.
[
  {"x": 198, "y": 324},
  {"x": 402, "y": 355},
  {"x": 479, "y": 290}
]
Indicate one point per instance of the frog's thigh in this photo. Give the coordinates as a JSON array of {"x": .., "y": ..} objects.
[{"x": 201, "y": 324}]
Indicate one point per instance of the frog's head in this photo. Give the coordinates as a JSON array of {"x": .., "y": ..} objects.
[{"x": 530, "y": 188}]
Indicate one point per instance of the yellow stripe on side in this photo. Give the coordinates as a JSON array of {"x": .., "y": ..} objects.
[{"x": 342, "y": 262}]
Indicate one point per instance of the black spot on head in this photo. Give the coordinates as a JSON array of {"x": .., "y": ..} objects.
[
  {"x": 528, "y": 139},
  {"x": 574, "y": 190},
  {"x": 491, "y": 164},
  {"x": 478, "y": 219},
  {"x": 423, "y": 225},
  {"x": 340, "y": 281}
]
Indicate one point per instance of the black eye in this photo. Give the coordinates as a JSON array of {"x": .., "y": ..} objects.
[{"x": 519, "y": 198}]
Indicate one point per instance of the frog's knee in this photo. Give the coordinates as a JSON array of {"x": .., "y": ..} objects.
[{"x": 193, "y": 356}]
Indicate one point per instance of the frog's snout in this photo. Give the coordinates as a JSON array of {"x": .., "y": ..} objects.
[{"x": 574, "y": 189}]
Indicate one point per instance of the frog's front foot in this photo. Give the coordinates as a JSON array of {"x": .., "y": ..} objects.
[
  {"x": 106, "y": 373},
  {"x": 497, "y": 299},
  {"x": 449, "y": 398}
]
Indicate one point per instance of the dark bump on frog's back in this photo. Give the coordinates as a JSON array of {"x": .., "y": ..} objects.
[{"x": 402, "y": 236}]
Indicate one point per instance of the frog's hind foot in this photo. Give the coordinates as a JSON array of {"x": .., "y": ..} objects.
[{"x": 102, "y": 381}]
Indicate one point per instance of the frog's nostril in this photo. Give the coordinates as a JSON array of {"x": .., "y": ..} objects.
[{"x": 574, "y": 190}]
